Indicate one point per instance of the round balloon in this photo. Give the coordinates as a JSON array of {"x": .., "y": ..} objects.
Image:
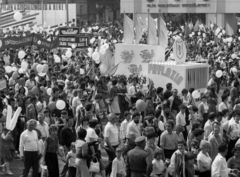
[
  {"x": 21, "y": 54},
  {"x": 68, "y": 54},
  {"x": 60, "y": 104},
  {"x": 24, "y": 65},
  {"x": 51, "y": 106},
  {"x": 196, "y": 94},
  {"x": 103, "y": 68},
  {"x": 14, "y": 69},
  {"x": 96, "y": 56},
  {"x": 34, "y": 67},
  {"x": 18, "y": 16},
  {"x": 41, "y": 74},
  {"x": 57, "y": 59},
  {"x": 219, "y": 73},
  {"x": 49, "y": 91},
  {"x": 102, "y": 51},
  {"x": 39, "y": 68},
  {"x": 21, "y": 70},
  {"x": 97, "y": 61},
  {"x": 74, "y": 46},
  {"x": 8, "y": 69},
  {"x": 45, "y": 68},
  {"x": 82, "y": 71},
  {"x": 141, "y": 105},
  {"x": 35, "y": 90},
  {"x": 15, "y": 75}
]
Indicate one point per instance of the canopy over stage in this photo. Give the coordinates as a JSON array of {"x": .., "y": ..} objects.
[
  {"x": 149, "y": 61},
  {"x": 221, "y": 12}
]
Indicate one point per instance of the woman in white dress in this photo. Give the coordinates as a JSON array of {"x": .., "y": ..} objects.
[
  {"x": 204, "y": 161},
  {"x": 224, "y": 104}
]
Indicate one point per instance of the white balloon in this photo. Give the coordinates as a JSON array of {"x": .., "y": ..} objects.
[
  {"x": 68, "y": 54},
  {"x": 97, "y": 61},
  {"x": 57, "y": 59},
  {"x": 60, "y": 104},
  {"x": 8, "y": 69},
  {"x": 18, "y": 16},
  {"x": 41, "y": 74},
  {"x": 103, "y": 68},
  {"x": 21, "y": 70},
  {"x": 24, "y": 65},
  {"x": 102, "y": 51},
  {"x": 14, "y": 69},
  {"x": 196, "y": 94},
  {"x": 90, "y": 49},
  {"x": 49, "y": 91},
  {"x": 96, "y": 56},
  {"x": 74, "y": 46},
  {"x": 82, "y": 71},
  {"x": 219, "y": 73},
  {"x": 21, "y": 54},
  {"x": 39, "y": 68},
  {"x": 39, "y": 42}
]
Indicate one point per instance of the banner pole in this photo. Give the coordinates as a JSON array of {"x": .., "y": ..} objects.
[
  {"x": 148, "y": 26},
  {"x": 159, "y": 25}
]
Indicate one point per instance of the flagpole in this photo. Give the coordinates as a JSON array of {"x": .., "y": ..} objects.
[
  {"x": 148, "y": 25},
  {"x": 159, "y": 26},
  {"x": 134, "y": 18}
]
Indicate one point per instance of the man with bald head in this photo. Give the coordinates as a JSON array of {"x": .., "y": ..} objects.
[{"x": 112, "y": 139}]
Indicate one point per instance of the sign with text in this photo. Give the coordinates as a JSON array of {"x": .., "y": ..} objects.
[
  {"x": 6, "y": 7},
  {"x": 179, "y": 51},
  {"x": 69, "y": 31}
]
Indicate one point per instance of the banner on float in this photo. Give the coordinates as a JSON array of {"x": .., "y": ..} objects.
[
  {"x": 32, "y": 39},
  {"x": 134, "y": 59}
]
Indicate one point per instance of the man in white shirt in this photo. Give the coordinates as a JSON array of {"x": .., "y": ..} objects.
[
  {"x": 124, "y": 124},
  {"x": 219, "y": 165},
  {"x": 133, "y": 125},
  {"x": 28, "y": 149},
  {"x": 42, "y": 126},
  {"x": 76, "y": 102},
  {"x": 112, "y": 139},
  {"x": 133, "y": 91}
]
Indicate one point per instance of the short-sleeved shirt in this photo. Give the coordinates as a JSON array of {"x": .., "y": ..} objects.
[
  {"x": 111, "y": 132},
  {"x": 76, "y": 102},
  {"x": 169, "y": 141},
  {"x": 52, "y": 144},
  {"x": 91, "y": 134}
]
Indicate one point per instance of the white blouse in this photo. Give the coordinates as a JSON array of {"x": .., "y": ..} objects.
[
  {"x": 158, "y": 167},
  {"x": 205, "y": 160}
]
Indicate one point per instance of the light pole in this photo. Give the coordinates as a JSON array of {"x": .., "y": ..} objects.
[
  {"x": 67, "y": 17},
  {"x": 42, "y": 14}
]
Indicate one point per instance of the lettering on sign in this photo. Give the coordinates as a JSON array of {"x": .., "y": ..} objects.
[
  {"x": 7, "y": 7},
  {"x": 190, "y": 5},
  {"x": 165, "y": 71}
]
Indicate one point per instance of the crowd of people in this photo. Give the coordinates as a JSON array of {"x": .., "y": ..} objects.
[{"x": 71, "y": 113}]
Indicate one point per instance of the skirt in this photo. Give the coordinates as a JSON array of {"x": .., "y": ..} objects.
[
  {"x": 7, "y": 150},
  {"x": 52, "y": 164}
]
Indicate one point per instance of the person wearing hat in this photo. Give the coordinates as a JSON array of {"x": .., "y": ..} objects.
[
  {"x": 139, "y": 162},
  {"x": 112, "y": 140},
  {"x": 124, "y": 124},
  {"x": 129, "y": 144}
]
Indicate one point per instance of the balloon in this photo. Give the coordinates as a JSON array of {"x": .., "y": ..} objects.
[
  {"x": 102, "y": 51},
  {"x": 199, "y": 33},
  {"x": 36, "y": 79},
  {"x": 45, "y": 68},
  {"x": 219, "y": 73},
  {"x": 234, "y": 70},
  {"x": 60, "y": 104},
  {"x": 204, "y": 35},
  {"x": 18, "y": 16},
  {"x": 41, "y": 74},
  {"x": 57, "y": 59},
  {"x": 212, "y": 25},
  {"x": 21, "y": 54},
  {"x": 196, "y": 94},
  {"x": 82, "y": 71},
  {"x": 74, "y": 46},
  {"x": 90, "y": 49},
  {"x": 34, "y": 67},
  {"x": 26, "y": 91},
  {"x": 49, "y": 91},
  {"x": 39, "y": 68},
  {"x": 35, "y": 90},
  {"x": 39, "y": 42},
  {"x": 20, "y": 70},
  {"x": 106, "y": 45},
  {"x": 14, "y": 69},
  {"x": 8, "y": 69},
  {"x": 193, "y": 33},
  {"x": 68, "y": 54},
  {"x": 141, "y": 105},
  {"x": 24, "y": 65},
  {"x": 15, "y": 75},
  {"x": 51, "y": 106},
  {"x": 96, "y": 56},
  {"x": 97, "y": 61},
  {"x": 103, "y": 68}
]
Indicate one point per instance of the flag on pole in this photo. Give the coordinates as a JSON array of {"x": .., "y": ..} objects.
[
  {"x": 128, "y": 30},
  {"x": 152, "y": 31},
  {"x": 139, "y": 29},
  {"x": 196, "y": 27},
  {"x": 190, "y": 25},
  {"x": 163, "y": 32}
]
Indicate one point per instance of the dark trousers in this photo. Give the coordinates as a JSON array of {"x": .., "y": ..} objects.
[
  {"x": 111, "y": 157},
  {"x": 71, "y": 171},
  {"x": 168, "y": 153},
  {"x": 30, "y": 161}
]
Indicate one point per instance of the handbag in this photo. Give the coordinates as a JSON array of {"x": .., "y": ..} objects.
[
  {"x": 44, "y": 172},
  {"x": 94, "y": 166}
]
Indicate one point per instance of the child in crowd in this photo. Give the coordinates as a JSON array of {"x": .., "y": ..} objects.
[
  {"x": 7, "y": 150},
  {"x": 71, "y": 157},
  {"x": 159, "y": 167},
  {"x": 118, "y": 165}
]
